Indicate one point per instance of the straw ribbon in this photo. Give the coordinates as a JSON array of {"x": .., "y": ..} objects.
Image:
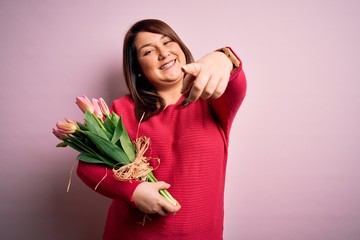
[{"x": 140, "y": 167}]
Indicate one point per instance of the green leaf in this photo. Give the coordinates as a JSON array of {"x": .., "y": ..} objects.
[
  {"x": 94, "y": 126},
  {"x": 108, "y": 149},
  {"x": 115, "y": 118},
  {"x": 120, "y": 134},
  {"x": 62, "y": 144},
  {"x": 93, "y": 159},
  {"x": 75, "y": 146},
  {"x": 82, "y": 126},
  {"x": 126, "y": 142},
  {"x": 117, "y": 132},
  {"x": 109, "y": 126}
]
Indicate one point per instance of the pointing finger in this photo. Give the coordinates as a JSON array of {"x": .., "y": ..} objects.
[{"x": 191, "y": 70}]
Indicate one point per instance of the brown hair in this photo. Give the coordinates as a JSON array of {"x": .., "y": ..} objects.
[{"x": 143, "y": 93}]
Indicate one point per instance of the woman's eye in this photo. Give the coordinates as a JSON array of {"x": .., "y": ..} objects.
[
  {"x": 168, "y": 42},
  {"x": 147, "y": 52}
]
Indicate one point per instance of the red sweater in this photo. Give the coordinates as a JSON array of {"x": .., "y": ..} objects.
[{"x": 192, "y": 144}]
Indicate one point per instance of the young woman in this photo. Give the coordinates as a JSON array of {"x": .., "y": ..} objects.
[{"x": 187, "y": 108}]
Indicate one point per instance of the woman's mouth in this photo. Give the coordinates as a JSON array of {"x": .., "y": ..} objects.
[{"x": 168, "y": 65}]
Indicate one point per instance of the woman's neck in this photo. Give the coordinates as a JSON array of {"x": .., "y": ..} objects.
[{"x": 170, "y": 96}]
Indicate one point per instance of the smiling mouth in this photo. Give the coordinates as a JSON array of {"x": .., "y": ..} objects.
[{"x": 168, "y": 65}]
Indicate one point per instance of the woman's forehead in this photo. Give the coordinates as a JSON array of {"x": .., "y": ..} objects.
[{"x": 147, "y": 39}]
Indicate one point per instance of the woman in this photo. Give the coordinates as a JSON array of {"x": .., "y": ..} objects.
[{"x": 187, "y": 109}]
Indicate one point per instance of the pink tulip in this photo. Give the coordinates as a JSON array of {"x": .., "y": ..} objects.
[
  {"x": 59, "y": 134},
  {"x": 104, "y": 108},
  {"x": 66, "y": 128},
  {"x": 84, "y": 104},
  {"x": 71, "y": 121},
  {"x": 97, "y": 110}
]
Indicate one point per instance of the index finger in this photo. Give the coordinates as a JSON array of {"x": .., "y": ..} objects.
[{"x": 191, "y": 70}]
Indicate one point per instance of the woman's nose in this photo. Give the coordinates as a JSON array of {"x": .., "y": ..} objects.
[{"x": 163, "y": 53}]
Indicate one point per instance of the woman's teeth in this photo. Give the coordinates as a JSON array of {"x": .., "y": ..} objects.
[{"x": 168, "y": 65}]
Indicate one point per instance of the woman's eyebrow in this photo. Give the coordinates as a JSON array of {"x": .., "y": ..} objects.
[{"x": 149, "y": 44}]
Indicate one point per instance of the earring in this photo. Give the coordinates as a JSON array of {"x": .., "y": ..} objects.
[{"x": 139, "y": 75}]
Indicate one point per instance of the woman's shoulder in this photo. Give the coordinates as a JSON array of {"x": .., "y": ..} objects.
[
  {"x": 126, "y": 99},
  {"x": 123, "y": 104}
]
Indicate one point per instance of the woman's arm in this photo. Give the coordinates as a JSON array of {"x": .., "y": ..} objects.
[
  {"x": 144, "y": 195},
  {"x": 101, "y": 179},
  {"x": 214, "y": 77},
  {"x": 226, "y": 106}
]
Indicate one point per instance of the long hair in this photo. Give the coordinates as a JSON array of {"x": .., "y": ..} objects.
[{"x": 143, "y": 93}]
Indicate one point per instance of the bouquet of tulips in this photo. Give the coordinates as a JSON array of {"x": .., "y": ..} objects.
[{"x": 103, "y": 139}]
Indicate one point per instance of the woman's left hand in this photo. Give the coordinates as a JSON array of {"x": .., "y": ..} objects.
[{"x": 207, "y": 77}]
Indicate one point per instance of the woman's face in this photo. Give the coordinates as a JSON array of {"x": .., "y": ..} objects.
[{"x": 160, "y": 59}]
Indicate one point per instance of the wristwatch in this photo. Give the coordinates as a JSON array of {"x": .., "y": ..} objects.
[{"x": 233, "y": 58}]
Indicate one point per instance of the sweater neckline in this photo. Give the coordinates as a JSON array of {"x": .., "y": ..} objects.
[{"x": 175, "y": 104}]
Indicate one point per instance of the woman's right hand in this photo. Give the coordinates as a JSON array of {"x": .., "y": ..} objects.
[{"x": 148, "y": 199}]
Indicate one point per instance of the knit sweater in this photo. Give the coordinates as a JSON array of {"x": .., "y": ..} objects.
[{"x": 192, "y": 144}]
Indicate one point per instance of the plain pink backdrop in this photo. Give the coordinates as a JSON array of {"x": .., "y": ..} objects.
[{"x": 293, "y": 171}]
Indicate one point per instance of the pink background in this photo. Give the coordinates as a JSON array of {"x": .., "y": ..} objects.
[{"x": 293, "y": 171}]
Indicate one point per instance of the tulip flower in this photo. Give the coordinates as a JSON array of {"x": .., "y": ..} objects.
[
  {"x": 97, "y": 110},
  {"x": 71, "y": 121},
  {"x": 59, "y": 134},
  {"x": 103, "y": 106},
  {"x": 84, "y": 104},
  {"x": 66, "y": 128}
]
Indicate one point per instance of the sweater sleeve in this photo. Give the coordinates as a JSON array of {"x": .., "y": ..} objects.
[
  {"x": 228, "y": 104},
  {"x": 102, "y": 180}
]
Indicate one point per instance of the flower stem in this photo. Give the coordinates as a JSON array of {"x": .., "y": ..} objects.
[
  {"x": 100, "y": 122},
  {"x": 165, "y": 193}
]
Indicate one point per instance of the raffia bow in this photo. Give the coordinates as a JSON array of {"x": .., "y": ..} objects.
[{"x": 140, "y": 167}]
